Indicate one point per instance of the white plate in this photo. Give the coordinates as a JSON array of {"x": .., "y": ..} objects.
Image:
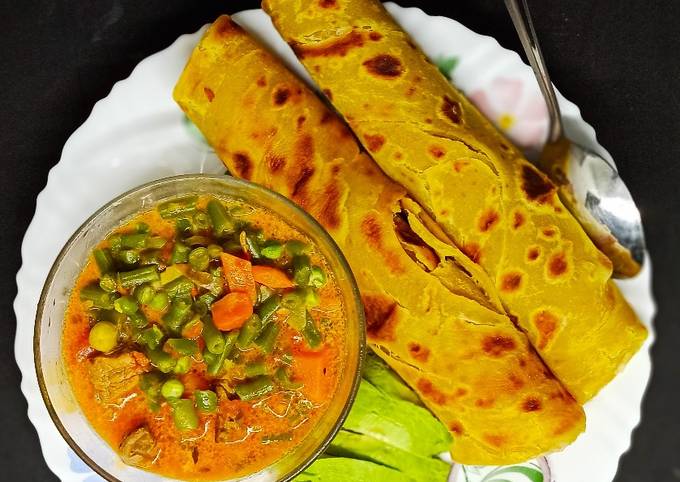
[{"x": 137, "y": 134}]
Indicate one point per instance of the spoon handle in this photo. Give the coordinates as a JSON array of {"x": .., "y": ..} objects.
[{"x": 521, "y": 18}]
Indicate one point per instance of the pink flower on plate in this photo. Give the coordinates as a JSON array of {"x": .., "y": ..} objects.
[{"x": 519, "y": 112}]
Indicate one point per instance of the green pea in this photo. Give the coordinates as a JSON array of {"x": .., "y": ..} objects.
[
  {"x": 272, "y": 250},
  {"x": 199, "y": 259},
  {"x": 206, "y": 400},
  {"x": 214, "y": 251},
  {"x": 103, "y": 336},
  {"x": 172, "y": 389}
]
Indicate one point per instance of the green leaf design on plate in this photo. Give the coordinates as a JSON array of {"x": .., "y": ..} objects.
[
  {"x": 532, "y": 474},
  {"x": 446, "y": 65}
]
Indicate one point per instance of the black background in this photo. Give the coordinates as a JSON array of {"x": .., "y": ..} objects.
[{"x": 619, "y": 60}]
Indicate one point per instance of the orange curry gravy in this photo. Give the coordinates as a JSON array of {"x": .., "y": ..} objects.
[{"x": 240, "y": 437}]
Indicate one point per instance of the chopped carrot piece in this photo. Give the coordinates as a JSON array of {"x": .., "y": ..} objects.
[
  {"x": 192, "y": 330},
  {"x": 311, "y": 368},
  {"x": 231, "y": 311},
  {"x": 238, "y": 273},
  {"x": 271, "y": 277}
]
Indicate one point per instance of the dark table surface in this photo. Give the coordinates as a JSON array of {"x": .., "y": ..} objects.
[{"x": 619, "y": 60}]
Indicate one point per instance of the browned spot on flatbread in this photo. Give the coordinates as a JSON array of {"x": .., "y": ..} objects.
[
  {"x": 329, "y": 215},
  {"x": 304, "y": 168},
  {"x": 460, "y": 164},
  {"x": 557, "y": 265},
  {"x": 485, "y": 402},
  {"x": 337, "y": 47},
  {"x": 262, "y": 81},
  {"x": 488, "y": 220},
  {"x": 549, "y": 232},
  {"x": 328, "y": 3},
  {"x": 275, "y": 162},
  {"x": 327, "y": 116},
  {"x": 516, "y": 381},
  {"x": 429, "y": 391},
  {"x": 531, "y": 404},
  {"x": 546, "y": 324},
  {"x": 242, "y": 165},
  {"x": 280, "y": 95},
  {"x": 328, "y": 93},
  {"x": 495, "y": 440},
  {"x": 381, "y": 317},
  {"x": 410, "y": 91},
  {"x": 437, "y": 152},
  {"x": 302, "y": 179},
  {"x": 398, "y": 155},
  {"x": 209, "y": 94},
  {"x": 374, "y": 142},
  {"x": 536, "y": 185},
  {"x": 300, "y": 121},
  {"x": 451, "y": 109},
  {"x": 511, "y": 281},
  {"x": 517, "y": 220},
  {"x": 533, "y": 253},
  {"x": 418, "y": 351},
  {"x": 384, "y": 65},
  {"x": 497, "y": 345},
  {"x": 460, "y": 392},
  {"x": 456, "y": 427},
  {"x": 472, "y": 251},
  {"x": 428, "y": 120}
]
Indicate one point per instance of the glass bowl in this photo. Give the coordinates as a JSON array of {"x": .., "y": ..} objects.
[{"x": 47, "y": 345}]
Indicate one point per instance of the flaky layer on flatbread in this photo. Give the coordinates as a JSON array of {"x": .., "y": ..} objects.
[
  {"x": 431, "y": 313},
  {"x": 495, "y": 205}
]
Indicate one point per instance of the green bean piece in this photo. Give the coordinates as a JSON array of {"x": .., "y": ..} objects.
[
  {"x": 171, "y": 273},
  {"x": 272, "y": 250},
  {"x": 202, "y": 221},
  {"x": 139, "y": 276},
  {"x": 151, "y": 257},
  {"x": 110, "y": 315},
  {"x": 128, "y": 257},
  {"x": 267, "y": 339},
  {"x": 138, "y": 320},
  {"x": 152, "y": 337},
  {"x": 294, "y": 301},
  {"x": 108, "y": 283},
  {"x": 177, "y": 207},
  {"x": 180, "y": 253},
  {"x": 269, "y": 307},
  {"x": 317, "y": 277},
  {"x": 249, "y": 331},
  {"x": 301, "y": 270},
  {"x": 114, "y": 242},
  {"x": 214, "y": 340},
  {"x": 255, "y": 369},
  {"x": 232, "y": 246},
  {"x": 199, "y": 258},
  {"x": 284, "y": 381},
  {"x": 197, "y": 241},
  {"x": 222, "y": 223},
  {"x": 98, "y": 297},
  {"x": 183, "y": 414},
  {"x": 182, "y": 366},
  {"x": 214, "y": 363},
  {"x": 161, "y": 360},
  {"x": 183, "y": 226},
  {"x": 160, "y": 301},
  {"x": 179, "y": 288},
  {"x": 126, "y": 304},
  {"x": 255, "y": 388},
  {"x": 144, "y": 293},
  {"x": 203, "y": 302},
  {"x": 103, "y": 336},
  {"x": 179, "y": 311},
  {"x": 172, "y": 388},
  {"x": 311, "y": 333},
  {"x": 155, "y": 242},
  {"x": 133, "y": 240},
  {"x": 214, "y": 251},
  {"x": 296, "y": 247},
  {"x": 251, "y": 244},
  {"x": 150, "y": 384},
  {"x": 206, "y": 400},
  {"x": 104, "y": 260},
  {"x": 182, "y": 346}
]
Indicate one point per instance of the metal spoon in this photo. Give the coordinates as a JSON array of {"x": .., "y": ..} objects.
[{"x": 588, "y": 185}]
